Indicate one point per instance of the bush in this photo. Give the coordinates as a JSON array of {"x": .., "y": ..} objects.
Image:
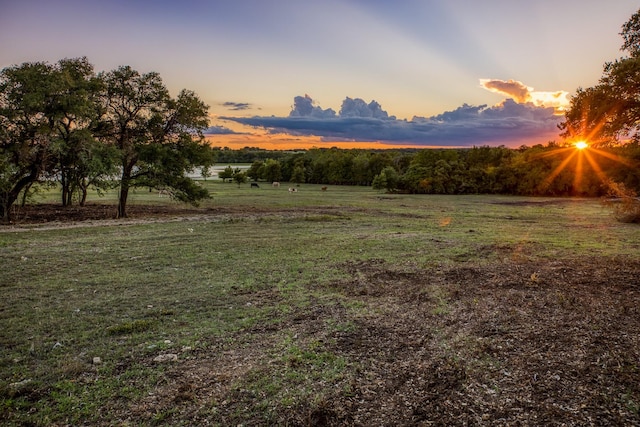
[{"x": 624, "y": 202}]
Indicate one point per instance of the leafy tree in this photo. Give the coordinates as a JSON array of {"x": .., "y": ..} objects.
[
  {"x": 387, "y": 179},
  {"x": 240, "y": 177},
  {"x": 272, "y": 170},
  {"x": 81, "y": 160},
  {"x": 26, "y": 152},
  {"x": 227, "y": 173},
  {"x": 298, "y": 173},
  {"x": 610, "y": 111},
  {"x": 158, "y": 138},
  {"x": 256, "y": 170}
]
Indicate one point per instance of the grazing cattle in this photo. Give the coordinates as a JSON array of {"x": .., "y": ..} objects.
[
  {"x": 293, "y": 190},
  {"x": 324, "y": 188},
  {"x": 276, "y": 184},
  {"x": 163, "y": 192},
  {"x": 254, "y": 185}
]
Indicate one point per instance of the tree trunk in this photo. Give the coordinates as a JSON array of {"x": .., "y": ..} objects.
[
  {"x": 122, "y": 199},
  {"x": 5, "y": 206},
  {"x": 125, "y": 182},
  {"x": 84, "y": 188},
  {"x": 64, "y": 182},
  {"x": 25, "y": 194}
]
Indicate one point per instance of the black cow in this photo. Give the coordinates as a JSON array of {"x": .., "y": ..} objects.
[{"x": 254, "y": 185}]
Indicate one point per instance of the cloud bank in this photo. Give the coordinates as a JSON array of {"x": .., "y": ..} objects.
[{"x": 513, "y": 122}]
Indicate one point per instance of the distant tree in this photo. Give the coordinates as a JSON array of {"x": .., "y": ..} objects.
[
  {"x": 272, "y": 170},
  {"x": 158, "y": 138},
  {"x": 256, "y": 170},
  {"x": 226, "y": 173},
  {"x": 298, "y": 174},
  {"x": 240, "y": 177},
  {"x": 387, "y": 179}
]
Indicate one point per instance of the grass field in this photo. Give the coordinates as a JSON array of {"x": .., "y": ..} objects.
[{"x": 339, "y": 307}]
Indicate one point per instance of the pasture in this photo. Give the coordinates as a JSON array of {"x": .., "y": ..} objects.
[{"x": 339, "y": 307}]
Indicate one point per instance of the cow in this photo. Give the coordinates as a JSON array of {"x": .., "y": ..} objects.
[
  {"x": 276, "y": 184},
  {"x": 293, "y": 190},
  {"x": 324, "y": 188},
  {"x": 254, "y": 185}
]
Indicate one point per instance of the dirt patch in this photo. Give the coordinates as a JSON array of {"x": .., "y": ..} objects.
[
  {"x": 55, "y": 216},
  {"x": 510, "y": 343},
  {"x": 506, "y": 344}
]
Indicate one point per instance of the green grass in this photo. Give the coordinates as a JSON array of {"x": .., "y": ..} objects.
[{"x": 128, "y": 293}]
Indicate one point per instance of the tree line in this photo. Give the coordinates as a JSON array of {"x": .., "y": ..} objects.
[
  {"x": 67, "y": 124},
  {"x": 541, "y": 170}
]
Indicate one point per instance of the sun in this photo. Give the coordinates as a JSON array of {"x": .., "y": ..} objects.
[{"x": 581, "y": 145}]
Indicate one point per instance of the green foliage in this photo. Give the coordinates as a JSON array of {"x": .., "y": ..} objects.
[
  {"x": 272, "y": 171},
  {"x": 158, "y": 138},
  {"x": 27, "y": 93},
  {"x": 388, "y": 179},
  {"x": 256, "y": 170},
  {"x": 64, "y": 122},
  {"x": 239, "y": 177},
  {"x": 226, "y": 174}
]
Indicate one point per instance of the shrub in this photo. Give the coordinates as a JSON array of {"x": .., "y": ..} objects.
[{"x": 624, "y": 202}]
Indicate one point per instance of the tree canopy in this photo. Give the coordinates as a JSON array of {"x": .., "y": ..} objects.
[
  {"x": 65, "y": 122},
  {"x": 610, "y": 111}
]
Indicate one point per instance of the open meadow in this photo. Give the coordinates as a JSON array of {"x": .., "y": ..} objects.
[{"x": 340, "y": 307}]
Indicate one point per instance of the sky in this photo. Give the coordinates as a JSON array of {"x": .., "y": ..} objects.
[{"x": 285, "y": 74}]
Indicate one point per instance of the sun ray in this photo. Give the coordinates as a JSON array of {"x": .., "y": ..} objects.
[
  {"x": 577, "y": 177},
  {"x": 547, "y": 182},
  {"x": 596, "y": 167},
  {"x": 613, "y": 157}
]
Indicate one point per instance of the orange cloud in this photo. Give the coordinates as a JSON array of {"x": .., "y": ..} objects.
[
  {"x": 522, "y": 94},
  {"x": 512, "y": 88}
]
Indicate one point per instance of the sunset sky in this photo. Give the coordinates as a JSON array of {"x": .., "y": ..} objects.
[{"x": 359, "y": 73}]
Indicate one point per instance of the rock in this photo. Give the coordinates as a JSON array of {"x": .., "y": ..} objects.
[
  {"x": 20, "y": 384},
  {"x": 169, "y": 357},
  {"x": 97, "y": 361}
]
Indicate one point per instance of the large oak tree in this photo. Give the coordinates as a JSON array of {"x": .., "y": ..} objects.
[{"x": 158, "y": 138}]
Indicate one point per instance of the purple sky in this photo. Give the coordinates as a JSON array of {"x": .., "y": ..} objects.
[{"x": 441, "y": 71}]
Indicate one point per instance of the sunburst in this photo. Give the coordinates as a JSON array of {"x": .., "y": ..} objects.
[{"x": 576, "y": 154}]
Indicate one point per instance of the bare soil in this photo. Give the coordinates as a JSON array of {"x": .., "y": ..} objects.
[{"x": 510, "y": 343}]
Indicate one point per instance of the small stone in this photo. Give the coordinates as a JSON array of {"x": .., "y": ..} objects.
[
  {"x": 186, "y": 348},
  {"x": 169, "y": 357},
  {"x": 20, "y": 384},
  {"x": 97, "y": 361}
]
